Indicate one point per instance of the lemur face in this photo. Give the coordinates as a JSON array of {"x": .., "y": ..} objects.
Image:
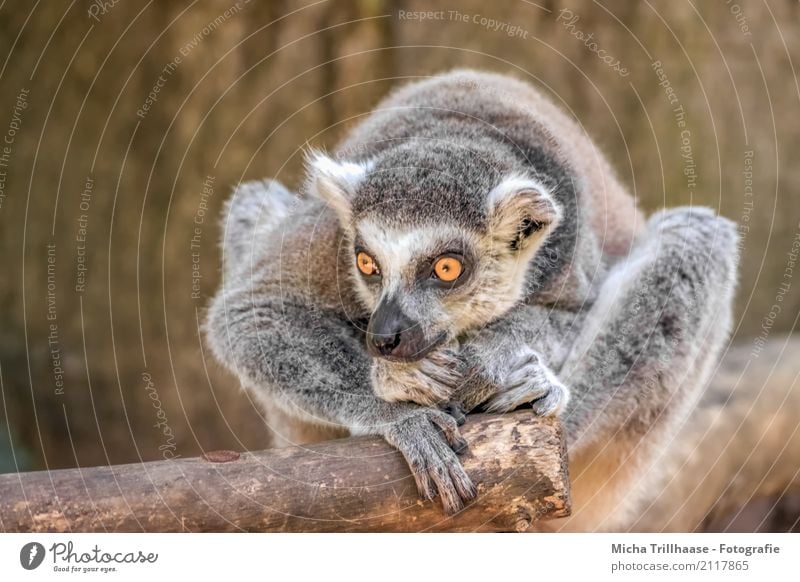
[
  {"x": 429, "y": 275},
  {"x": 418, "y": 282}
]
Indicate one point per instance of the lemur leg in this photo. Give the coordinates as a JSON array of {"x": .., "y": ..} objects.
[{"x": 644, "y": 355}]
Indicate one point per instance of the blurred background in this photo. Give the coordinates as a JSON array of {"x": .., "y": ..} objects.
[{"x": 125, "y": 125}]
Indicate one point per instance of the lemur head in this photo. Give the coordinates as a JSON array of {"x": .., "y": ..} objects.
[{"x": 440, "y": 243}]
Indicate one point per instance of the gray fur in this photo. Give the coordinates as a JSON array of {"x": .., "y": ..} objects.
[
  {"x": 635, "y": 362},
  {"x": 291, "y": 315},
  {"x": 438, "y": 147}
]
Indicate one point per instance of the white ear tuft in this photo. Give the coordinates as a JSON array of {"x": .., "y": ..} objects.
[
  {"x": 335, "y": 182},
  {"x": 521, "y": 208}
]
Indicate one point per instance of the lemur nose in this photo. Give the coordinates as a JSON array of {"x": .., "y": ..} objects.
[
  {"x": 390, "y": 332},
  {"x": 385, "y": 344}
]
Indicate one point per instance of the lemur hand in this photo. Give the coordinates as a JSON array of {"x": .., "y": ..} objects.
[
  {"x": 429, "y": 382},
  {"x": 524, "y": 379},
  {"x": 504, "y": 377},
  {"x": 429, "y": 440}
]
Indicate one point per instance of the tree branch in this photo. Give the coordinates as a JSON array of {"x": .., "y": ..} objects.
[{"x": 518, "y": 462}]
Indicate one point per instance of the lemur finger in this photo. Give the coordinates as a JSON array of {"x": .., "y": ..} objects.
[
  {"x": 451, "y": 500},
  {"x": 419, "y": 470},
  {"x": 456, "y": 410},
  {"x": 412, "y": 439},
  {"x": 464, "y": 485},
  {"x": 454, "y": 485},
  {"x": 449, "y": 427},
  {"x": 442, "y": 373},
  {"x": 530, "y": 373},
  {"x": 516, "y": 397},
  {"x": 553, "y": 403},
  {"x": 453, "y": 480}
]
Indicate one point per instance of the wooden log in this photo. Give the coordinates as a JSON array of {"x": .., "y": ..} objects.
[{"x": 518, "y": 462}]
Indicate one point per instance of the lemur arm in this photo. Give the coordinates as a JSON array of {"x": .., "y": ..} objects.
[{"x": 278, "y": 323}]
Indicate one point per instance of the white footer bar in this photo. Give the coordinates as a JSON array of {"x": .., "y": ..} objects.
[{"x": 388, "y": 557}]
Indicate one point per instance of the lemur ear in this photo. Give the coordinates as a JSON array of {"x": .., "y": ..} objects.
[
  {"x": 334, "y": 182},
  {"x": 521, "y": 210}
]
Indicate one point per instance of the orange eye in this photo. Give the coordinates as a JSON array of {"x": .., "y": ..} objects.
[
  {"x": 367, "y": 264},
  {"x": 448, "y": 269}
]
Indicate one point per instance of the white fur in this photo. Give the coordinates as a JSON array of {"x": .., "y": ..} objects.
[
  {"x": 512, "y": 200},
  {"x": 335, "y": 182},
  {"x": 518, "y": 195},
  {"x": 396, "y": 250},
  {"x": 502, "y": 280}
]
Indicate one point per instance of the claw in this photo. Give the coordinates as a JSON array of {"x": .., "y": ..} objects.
[
  {"x": 460, "y": 446},
  {"x": 516, "y": 397},
  {"x": 553, "y": 403},
  {"x": 456, "y": 410}
]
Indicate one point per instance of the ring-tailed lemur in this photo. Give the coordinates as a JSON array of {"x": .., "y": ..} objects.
[{"x": 464, "y": 244}]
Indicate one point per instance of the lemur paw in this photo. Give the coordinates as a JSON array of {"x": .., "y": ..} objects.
[
  {"x": 430, "y": 381},
  {"x": 529, "y": 382},
  {"x": 429, "y": 440}
]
